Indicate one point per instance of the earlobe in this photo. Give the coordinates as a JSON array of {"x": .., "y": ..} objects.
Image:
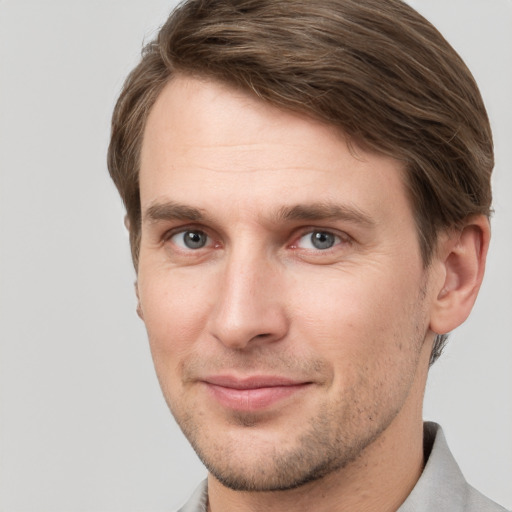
[
  {"x": 139, "y": 307},
  {"x": 462, "y": 256}
]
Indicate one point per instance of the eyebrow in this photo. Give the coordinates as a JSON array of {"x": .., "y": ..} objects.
[
  {"x": 171, "y": 210},
  {"x": 324, "y": 211}
]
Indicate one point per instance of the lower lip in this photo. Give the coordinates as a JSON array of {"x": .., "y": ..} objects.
[{"x": 253, "y": 399}]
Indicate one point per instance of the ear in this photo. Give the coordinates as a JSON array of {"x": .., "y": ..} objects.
[
  {"x": 461, "y": 256},
  {"x": 139, "y": 307}
]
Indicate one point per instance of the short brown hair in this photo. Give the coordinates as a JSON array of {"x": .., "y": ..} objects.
[{"x": 374, "y": 68}]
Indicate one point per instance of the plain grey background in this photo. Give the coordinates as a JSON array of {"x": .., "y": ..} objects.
[{"x": 83, "y": 426}]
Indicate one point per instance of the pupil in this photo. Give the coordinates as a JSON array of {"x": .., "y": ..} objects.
[
  {"x": 194, "y": 239},
  {"x": 322, "y": 240}
]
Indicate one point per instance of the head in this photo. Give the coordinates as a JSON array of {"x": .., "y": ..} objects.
[
  {"x": 392, "y": 91},
  {"x": 377, "y": 70}
]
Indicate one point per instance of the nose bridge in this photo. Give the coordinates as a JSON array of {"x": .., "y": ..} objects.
[{"x": 248, "y": 307}]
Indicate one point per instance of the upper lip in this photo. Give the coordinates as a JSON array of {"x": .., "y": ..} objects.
[{"x": 251, "y": 382}]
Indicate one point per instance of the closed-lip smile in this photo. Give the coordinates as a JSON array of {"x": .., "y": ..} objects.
[{"x": 252, "y": 393}]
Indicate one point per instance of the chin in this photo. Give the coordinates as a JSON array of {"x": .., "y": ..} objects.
[{"x": 248, "y": 462}]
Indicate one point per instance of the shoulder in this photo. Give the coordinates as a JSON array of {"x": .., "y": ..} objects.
[
  {"x": 477, "y": 502},
  {"x": 442, "y": 486}
]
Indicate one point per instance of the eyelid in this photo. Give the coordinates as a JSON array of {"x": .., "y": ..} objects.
[
  {"x": 341, "y": 235},
  {"x": 170, "y": 233}
]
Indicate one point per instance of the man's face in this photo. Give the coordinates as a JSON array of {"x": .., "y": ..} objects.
[{"x": 281, "y": 285}]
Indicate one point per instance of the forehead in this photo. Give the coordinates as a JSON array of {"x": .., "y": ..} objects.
[
  {"x": 210, "y": 116},
  {"x": 205, "y": 142}
]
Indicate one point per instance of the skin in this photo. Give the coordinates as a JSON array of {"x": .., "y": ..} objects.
[{"x": 295, "y": 369}]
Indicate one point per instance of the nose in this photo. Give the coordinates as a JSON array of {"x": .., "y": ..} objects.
[{"x": 249, "y": 309}]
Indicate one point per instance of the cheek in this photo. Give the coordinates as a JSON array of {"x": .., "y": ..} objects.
[
  {"x": 360, "y": 320},
  {"x": 175, "y": 310},
  {"x": 370, "y": 334},
  {"x": 344, "y": 303}
]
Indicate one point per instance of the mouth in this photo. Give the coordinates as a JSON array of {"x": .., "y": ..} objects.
[{"x": 252, "y": 393}]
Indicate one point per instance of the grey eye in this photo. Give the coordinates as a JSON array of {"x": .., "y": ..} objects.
[
  {"x": 190, "y": 239},
  {"x": 320, "y": 240}
]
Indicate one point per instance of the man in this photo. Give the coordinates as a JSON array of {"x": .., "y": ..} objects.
[{"x": 307, "y": 186}]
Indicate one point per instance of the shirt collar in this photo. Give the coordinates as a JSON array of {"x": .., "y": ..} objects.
[{"x": 441, "y": 486}]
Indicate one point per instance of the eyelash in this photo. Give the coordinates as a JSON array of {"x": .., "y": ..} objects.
[
  {"x": 182, "y": 231},
  {"x": 340, "y": 238},
  {"x": 336, "y": 239}
]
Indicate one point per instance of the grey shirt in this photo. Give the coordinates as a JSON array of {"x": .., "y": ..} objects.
[{"x": 441, "y": 487}]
